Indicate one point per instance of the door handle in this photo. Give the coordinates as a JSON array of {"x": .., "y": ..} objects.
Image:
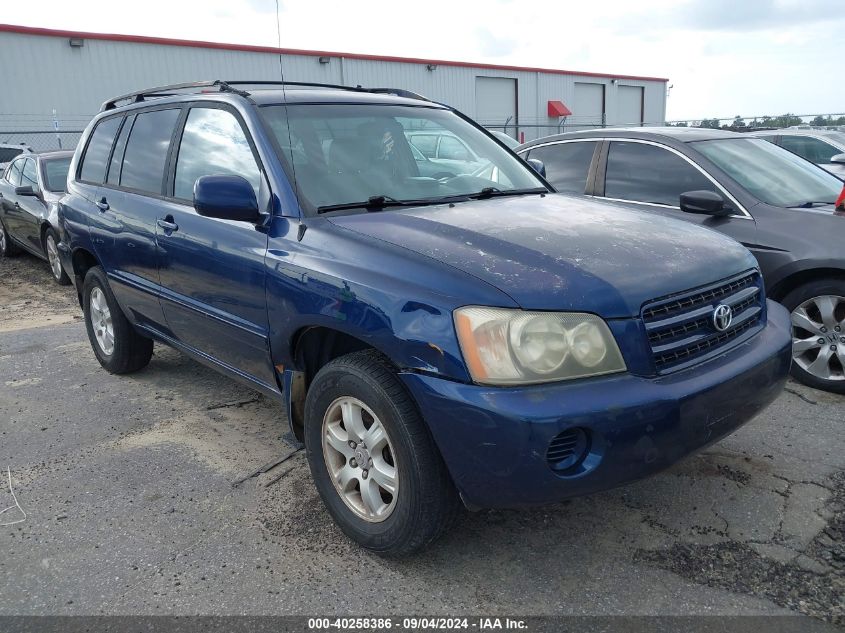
[
  {"x": 168, "y": 224},
  {"x": 102, "y": 204}
]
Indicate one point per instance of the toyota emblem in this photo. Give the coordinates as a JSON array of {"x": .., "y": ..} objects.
[{"x": 723, "y": 316}]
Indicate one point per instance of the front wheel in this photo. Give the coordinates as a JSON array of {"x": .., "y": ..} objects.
[
  {"x": 818, "y": 334},
  {"x": 116, "y": 344},
  {"x": 373, "y": 459}
]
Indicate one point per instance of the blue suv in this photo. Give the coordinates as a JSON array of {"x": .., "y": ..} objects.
[{"x": 437, "y": 342}]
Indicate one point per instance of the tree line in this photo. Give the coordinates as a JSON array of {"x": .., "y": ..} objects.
[{"x": 783, "y": 120}]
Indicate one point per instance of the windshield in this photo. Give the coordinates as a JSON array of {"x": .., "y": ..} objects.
[
  {"x": 342, "y": 154},
  {"x": 770, "y": 173},
  {"x": 55, "y": 173}
]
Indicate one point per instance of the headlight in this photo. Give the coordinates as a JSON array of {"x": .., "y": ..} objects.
[{"x": 514, "y": 347}]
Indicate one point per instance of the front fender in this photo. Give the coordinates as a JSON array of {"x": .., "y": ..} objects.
[{"x": 393, "y": 300}]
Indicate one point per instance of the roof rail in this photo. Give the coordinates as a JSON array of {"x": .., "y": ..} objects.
[{"x": 228, "y": 86}]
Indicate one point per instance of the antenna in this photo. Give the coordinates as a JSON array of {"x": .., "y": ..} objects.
[{"x": 287, "y": 114}]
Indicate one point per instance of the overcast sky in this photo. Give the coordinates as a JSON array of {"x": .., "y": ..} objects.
[{"x": 723, "y": 57}]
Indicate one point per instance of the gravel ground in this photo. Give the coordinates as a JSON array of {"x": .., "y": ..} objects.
[{"x": 139, "y": 500}]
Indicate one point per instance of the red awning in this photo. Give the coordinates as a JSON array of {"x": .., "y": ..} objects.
[{"x": 556, "y": 108}]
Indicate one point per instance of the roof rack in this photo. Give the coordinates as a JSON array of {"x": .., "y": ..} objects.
[{"x": 228, "y": 86}]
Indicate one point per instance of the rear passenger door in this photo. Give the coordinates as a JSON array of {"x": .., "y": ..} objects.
[
  {"x": 10, "y": 200},
  {"x": 212, "y": 271},
  {"x": 651, "y": 177},
  {"x": 131, "y": 173}
]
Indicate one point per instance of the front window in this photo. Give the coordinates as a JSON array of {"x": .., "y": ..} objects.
[
  {"x": 770, "y": 173},
  {"x": 343, "y": 154},
  {"x": 646, "y": 173},
  {"x": 55, "y": 173}
]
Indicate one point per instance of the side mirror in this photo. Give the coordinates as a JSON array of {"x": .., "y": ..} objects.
[
  {"x": 227, "y": 198},
  {"x": 27, "y": 190},
  {"x": 839, "y": 159},
  {"x": 704, "y": 203},
  {"x": 538, "y": 166}
]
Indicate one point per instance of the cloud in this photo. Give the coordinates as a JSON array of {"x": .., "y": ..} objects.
[{"x": 493, "y": 45}]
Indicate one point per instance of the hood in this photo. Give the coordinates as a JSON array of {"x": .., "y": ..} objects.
[{"x": 562, "y": 253}]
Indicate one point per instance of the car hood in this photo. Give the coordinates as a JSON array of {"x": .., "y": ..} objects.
[{"x": 558, "y": 252}]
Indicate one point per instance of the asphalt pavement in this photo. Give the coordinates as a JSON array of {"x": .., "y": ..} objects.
[{"x": 134, "y": 495}]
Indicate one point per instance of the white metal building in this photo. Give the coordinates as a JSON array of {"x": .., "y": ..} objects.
[{"x": 58, "y": 79}]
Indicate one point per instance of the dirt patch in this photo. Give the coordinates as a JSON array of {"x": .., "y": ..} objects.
[{"x": 30, "y": 298}]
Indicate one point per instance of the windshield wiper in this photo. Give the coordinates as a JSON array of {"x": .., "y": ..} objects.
[
  {"x": 373, "y": 203},
  {"x": 809, "y": 204},
  {"x": 490, "y": 192}
]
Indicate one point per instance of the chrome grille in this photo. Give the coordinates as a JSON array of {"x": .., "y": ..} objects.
[{"x": 680, "y": 327}]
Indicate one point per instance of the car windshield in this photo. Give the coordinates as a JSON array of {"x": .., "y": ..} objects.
[
  {"x": 772, "y": 174},
  {"x": 55, "y": 173},
  {"x": 346, "y": 154}
]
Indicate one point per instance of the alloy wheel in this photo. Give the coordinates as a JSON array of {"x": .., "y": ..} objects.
[
  {"x": 101, "y": 321},
  {"x": 53, "y": 257},
  {"x": 2, "y": 239},
  {"x": 360, "y": 459},
  {"x": 818, "y": 337}
]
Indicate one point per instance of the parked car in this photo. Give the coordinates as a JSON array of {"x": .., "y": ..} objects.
[
  {"x": 446, "y": 150},
  {"x": 777, "y": 204},
  {"x": 8, "y": 151},
  {"x": 507, "y": 139},
  {"x": 825, "y": 148},
  {"x": 433, "y": 341},
  {"x": 30, "y": 190}
]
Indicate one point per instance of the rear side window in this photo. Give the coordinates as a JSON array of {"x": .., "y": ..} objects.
[
  {"x": 567, "y": 164},
  {"x": 213, "y": 142},
  {"x": 426, "y": 143},
  {"x": 146, "y": 151},
  {"x": 812, "y": 149},
  {"x": 97, "y": 153},
  {"x": 645, "y": 173},
  {"x": 14, "y": 176}
]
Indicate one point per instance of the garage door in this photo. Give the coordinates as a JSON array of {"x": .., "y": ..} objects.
[
  {"x": 495, "y": 103},
  {"x": 630, "y": 105},
  {"x": 589, "y": 105}
]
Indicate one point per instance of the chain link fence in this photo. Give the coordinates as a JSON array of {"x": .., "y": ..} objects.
[{"x": 41, "y": 140}]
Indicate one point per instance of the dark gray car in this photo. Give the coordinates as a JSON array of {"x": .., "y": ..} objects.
[
  {"x": 777, "y": 204},
  {"x": 30, "y": 189}
]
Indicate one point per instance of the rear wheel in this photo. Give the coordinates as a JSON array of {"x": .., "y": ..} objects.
[
  {"x": 7, "y": 248},
  {"x": 116, "y": 344},
  {"x": 373, "y": 459},
  {"x": 818, "y": 334},
  {"x": 52, "y": 249}
]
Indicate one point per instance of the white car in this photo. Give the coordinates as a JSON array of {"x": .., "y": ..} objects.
[
  {"x": 822, "y": 147},
  {"x": 8, "y": 152}
]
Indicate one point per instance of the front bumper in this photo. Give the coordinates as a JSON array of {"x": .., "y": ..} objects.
[{"x": 495, "y": 440}]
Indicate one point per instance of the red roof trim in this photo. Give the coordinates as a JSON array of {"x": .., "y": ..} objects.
[{"x": 144, "y": 39}]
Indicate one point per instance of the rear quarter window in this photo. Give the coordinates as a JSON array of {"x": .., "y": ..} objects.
[{"x": 97, "y": 153}]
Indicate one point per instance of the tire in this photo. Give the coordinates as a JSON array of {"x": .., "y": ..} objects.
[
  {"x": 7, "y": 247},
  {"x": 426, "y": 502},
  {"x": 818, "y": 353},
  {"x": 129, "y": 351},
  {"x": 51, "y": 250}
]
